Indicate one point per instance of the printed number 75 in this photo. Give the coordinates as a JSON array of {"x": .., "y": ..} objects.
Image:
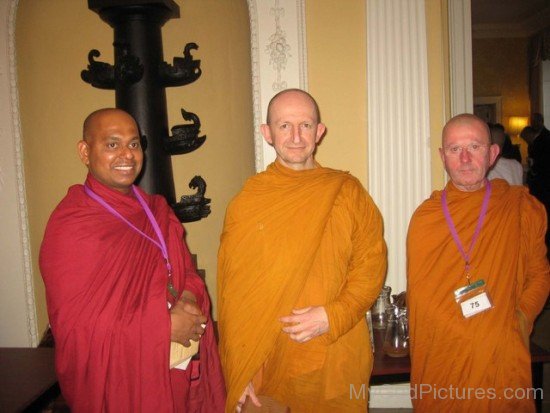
[{"x": 475, "y": 304}]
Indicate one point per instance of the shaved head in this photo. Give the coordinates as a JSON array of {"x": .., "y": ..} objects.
[
  {"x": 93, "y": 118},
  {"x": 467, "y": 152},
  {"x": 286, "y": 91},
  {"x": 111, "y": 148},
  {"x": 466, "y": 119}
]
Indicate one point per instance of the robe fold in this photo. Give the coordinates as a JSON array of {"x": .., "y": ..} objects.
[
  {"x": 293, "y": 239},
  {"x": 106, "y": 290},
  {"x": 486, "y": 353}
]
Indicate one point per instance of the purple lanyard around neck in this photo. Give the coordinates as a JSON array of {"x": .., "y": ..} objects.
[
  {"x": 454, "y": 233},
  {"x": 160, "y": 243}
]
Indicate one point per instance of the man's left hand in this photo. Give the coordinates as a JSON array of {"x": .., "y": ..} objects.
[{"x": 306, "y": 323}]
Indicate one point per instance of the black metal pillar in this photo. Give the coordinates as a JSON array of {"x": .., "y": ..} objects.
[
  {"x": 137, "y": 32},
  {"x": 139, "y": 77}
]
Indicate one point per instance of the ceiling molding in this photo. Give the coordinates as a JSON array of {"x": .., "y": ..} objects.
[{"x": 525, "y": 28}]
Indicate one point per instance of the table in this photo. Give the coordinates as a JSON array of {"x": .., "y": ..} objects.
[
  {"x": 27, "y": 378},
  {"x": 388, "y": 369}
]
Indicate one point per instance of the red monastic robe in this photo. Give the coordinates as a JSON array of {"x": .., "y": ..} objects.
[{"x": 106, "y": 288}]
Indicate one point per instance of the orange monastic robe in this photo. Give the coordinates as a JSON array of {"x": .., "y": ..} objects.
[
  {"x": 294, "y": 239},
  {"x": 477, "y": 364}
]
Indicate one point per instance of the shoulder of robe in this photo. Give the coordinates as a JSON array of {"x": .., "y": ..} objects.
[
  {"x": 428, "y": 206},
  {"x": 159, "y": 202},
  {"x": 75, "y": 202},
  {"x": 531, "y": 208}
]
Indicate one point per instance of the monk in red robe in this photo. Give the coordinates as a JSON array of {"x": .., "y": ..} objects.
[
  {"x": 477, "y": 278},
  {"x": 114, "y": 261},
  {"x": 302, "y": 258}
]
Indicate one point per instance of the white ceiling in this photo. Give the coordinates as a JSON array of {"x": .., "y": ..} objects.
[{"x": 509, "y": 18}]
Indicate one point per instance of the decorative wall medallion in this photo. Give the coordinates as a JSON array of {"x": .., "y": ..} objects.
[{"x": 278, "y": 48}]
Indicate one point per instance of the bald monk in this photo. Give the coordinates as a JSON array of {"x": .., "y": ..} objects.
[
  {"x": 477, "y": 278},
  {"x": 302, "y": 258},
  {"x": 113, "y": 260}
]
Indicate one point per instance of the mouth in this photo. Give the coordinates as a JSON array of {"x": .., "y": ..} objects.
[{"x": 124, "y": 168}]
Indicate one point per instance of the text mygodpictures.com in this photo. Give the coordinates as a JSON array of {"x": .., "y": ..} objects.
[{"x": 451, "y": 392}]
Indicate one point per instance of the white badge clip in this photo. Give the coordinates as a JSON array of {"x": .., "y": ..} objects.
[{"x": 473, "y": 299}]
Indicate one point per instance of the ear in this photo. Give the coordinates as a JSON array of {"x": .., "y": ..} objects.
[
  {"x": 442, "y": 155},
  {"x": 494, "y": 150},
  {"x": 321, "y": 129},
  {"x": 83, "y": 152},
  {"x": 266, "y": 133}
]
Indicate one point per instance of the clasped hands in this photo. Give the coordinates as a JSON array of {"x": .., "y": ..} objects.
[
  {"x": 187, "y": 320},
  {"x": 306, "y": 323}
]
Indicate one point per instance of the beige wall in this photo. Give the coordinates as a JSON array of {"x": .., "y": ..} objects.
[
  {"x": 54, "y": 100},
  {"x": 53, "y": 41},
  {"x": 500, "y": 69},
  {"x": 438, "y": 81},
  {"x": 337, "y": 79}
]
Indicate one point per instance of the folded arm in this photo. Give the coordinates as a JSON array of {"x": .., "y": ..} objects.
[{"x": 366, "y": 269}]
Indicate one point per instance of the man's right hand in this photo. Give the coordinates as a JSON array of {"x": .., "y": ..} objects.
[
  {"x": 187, "y": 320},
  {"x": 248, "y": 392}
]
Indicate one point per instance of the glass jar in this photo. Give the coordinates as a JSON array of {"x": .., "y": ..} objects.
[
  {"x": 396, "y": 342},
  {"x": 378, "y": 310},
  {"x": 368, "y": 316}
]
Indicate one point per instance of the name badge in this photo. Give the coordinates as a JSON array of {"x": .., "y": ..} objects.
[{"x": 473, "y": 299}]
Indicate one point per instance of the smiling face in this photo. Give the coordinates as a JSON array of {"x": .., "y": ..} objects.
[
  {"x": 111, "y": 148},
  {"x": 293, "y": 129},
  {"x": 467, "y": 153}
]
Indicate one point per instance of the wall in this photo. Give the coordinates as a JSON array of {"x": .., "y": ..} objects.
[
  {"x": 500, "y": 69},
  {"x": 337, "y": 79},
  {"x": 438, "y": 82},
  {"x": 54, "y": 102}
]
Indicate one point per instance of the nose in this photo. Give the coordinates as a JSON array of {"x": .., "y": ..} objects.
[
  {"x": 127, "y": 153},
  {"x": 465, "y": 155},
  {"x": 296, "y": 134}
]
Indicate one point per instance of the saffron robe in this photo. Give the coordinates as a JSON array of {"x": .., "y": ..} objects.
[
  {"x": 106, "y": 288},
  {"x": 449, "y": 353},
  {"x": 294, "y": 239}
]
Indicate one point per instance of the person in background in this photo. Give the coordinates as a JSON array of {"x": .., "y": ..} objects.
[
  {"x": 508, "y": 150},
  {"x": 538, "y": 178},
  {"x": 478, "y": 277},
  {"x": 302, "y": 258},
  {"x": 114, "y": 261},
  {"x": 504, "y": 168},
  {"x": 528, "y": 134}
]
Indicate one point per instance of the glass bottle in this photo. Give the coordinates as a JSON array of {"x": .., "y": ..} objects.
[
  {"x": 378, "y": 310},
  {"x": 396, "y": 342},
  {"x": 368, "y": 316}
]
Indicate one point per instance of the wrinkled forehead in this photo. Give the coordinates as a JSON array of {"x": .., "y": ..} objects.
[{"x": 464, "y": 131}]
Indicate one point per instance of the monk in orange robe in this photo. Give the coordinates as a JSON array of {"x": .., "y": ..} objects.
[
  {"x": 302, "y": 258},
  {"x": 470, "y": 353}
]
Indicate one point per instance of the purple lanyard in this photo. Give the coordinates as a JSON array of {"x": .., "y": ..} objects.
[
  {"x": 452, "y": 228},
  {"x": 160, "y": 243}
]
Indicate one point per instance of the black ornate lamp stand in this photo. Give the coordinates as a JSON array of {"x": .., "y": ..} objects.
[{"x": 139, "y": 77}]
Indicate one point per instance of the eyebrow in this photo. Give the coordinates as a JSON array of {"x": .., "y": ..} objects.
[{"x": 118, "y": 138}]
